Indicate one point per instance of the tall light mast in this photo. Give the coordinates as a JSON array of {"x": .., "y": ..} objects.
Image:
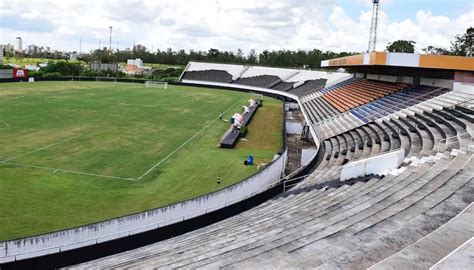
[{"x": 373, "y": 26}]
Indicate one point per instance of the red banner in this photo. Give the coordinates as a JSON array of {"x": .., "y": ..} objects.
[{"x": 20, "y": 73}]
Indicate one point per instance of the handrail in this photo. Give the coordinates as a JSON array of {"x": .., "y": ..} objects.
[
  {"x": 452, "y": 137},
  {"x": 279, "y": 181},
  {"x": 289, "y": 177}
]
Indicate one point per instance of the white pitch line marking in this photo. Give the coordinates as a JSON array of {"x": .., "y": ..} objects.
[
  {"x": 54, "y": 170},
  {"x": 8, "y": 99},
  {"x": 5, "y": 123},
  {"x": 186, "y": 142},
  {"x": 41, "y": 148}
]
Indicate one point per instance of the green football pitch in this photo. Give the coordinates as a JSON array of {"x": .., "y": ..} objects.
[{"x": 73, "y": 153}]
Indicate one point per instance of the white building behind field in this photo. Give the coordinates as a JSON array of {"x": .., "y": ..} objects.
[{"x": 136, "y": 62}]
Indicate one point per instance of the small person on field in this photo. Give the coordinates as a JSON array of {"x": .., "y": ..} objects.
[
  {"x": 220, "y": 116},
  {"x": 218, "y": 179}
]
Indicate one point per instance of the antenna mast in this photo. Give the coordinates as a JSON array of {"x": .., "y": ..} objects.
[{"x": 373, "y": 26}]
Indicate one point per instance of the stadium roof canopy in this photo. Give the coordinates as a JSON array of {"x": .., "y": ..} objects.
[{"x": 402, "y": 64}]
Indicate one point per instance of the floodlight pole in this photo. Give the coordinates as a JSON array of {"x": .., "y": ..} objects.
[{"x": 373, "y": 26}]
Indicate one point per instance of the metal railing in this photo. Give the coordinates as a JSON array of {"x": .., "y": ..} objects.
[{"x": 285, "y": 180}]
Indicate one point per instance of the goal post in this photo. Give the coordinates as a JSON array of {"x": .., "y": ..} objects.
[{"x": 156, "y": 84}]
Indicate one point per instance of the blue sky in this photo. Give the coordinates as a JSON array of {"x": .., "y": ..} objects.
[
  {"x": 338, "y": 25},
  {"x": 405, "y": 9}
]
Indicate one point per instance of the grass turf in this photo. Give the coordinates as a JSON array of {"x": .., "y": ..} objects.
[{"x": 117, "y": 130}]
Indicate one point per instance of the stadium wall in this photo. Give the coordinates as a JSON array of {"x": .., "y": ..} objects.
[
  {"x": 378, "y": 165},
  {"x": 464, "y": 81},
  {"x": 92, "y": 234},
  {"x": 14, "y": 73}
]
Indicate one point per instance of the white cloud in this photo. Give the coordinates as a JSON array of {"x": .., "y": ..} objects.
[{"x": 222, "y": 24}]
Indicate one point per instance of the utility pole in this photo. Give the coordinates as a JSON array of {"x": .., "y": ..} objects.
[
  {"x": 100, "y": 61},
  {"x": 110, "y": 40},
  {"x": 80, "y": 50},
  {"x": 373, "y": 26}
]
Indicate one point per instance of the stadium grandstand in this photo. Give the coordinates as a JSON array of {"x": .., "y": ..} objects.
[
  {"x": 375, "y": 171},
  {"x": 414, "y": 214},
  {"x": 391, "y": 177}
]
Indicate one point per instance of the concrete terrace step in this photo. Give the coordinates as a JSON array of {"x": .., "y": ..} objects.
[
  {"x": 460, "y": 258},
  {"x": 349, "y": 250},
  {"x": 328, "y": 229},
  {"x": 433, "y": 247},
  {"x": 386, "y": 238},
  {"x": 319, "y": 226}
]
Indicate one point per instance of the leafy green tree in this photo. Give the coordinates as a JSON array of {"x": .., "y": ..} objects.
[
  {"x": 3, "y": 66},
  {"x": 252, "y": 58},
  {"x": 463, "y": 44},
  {"x": 402, "y": 46},
  {"x": 62, "y": 68},
  {"x": 436, "y": 50}
]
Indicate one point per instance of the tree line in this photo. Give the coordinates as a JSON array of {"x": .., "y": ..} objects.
[{"x": 278, "y": 58}]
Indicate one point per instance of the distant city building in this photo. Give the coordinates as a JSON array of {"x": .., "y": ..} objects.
[
  {"x": 32, "y": 49},
  {"x": 9, "y": 48},
  {"x": 4, "y": 49},
  {"x": 139, "y": 48},
  {"x": 19, "y": 44}
]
